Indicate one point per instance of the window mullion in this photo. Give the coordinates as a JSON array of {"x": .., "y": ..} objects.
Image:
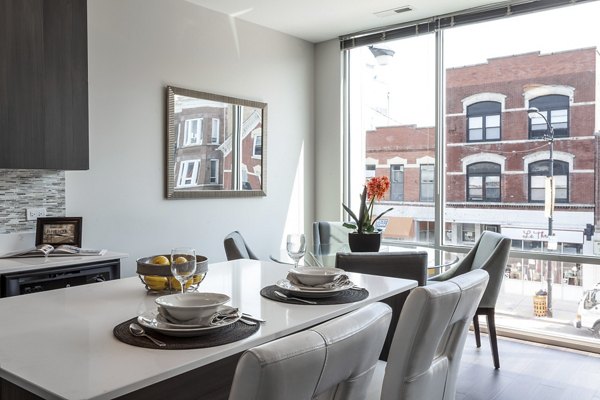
[{"x": 440, "y": 145}]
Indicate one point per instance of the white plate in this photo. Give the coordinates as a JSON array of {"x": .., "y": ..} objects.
[
  {"x": 311, "y": 292},
  {"x": 152, "y": 320},
  {"x": 315, "y": 275}
]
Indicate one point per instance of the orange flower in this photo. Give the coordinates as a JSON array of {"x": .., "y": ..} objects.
[
  {"x": 374, "y": 189},
  {"x": 377, "y": 186}
]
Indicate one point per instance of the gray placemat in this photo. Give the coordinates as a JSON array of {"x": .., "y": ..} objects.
[
  {"x": 227, "y": 334},
  {"x": 345, "y": 296}
]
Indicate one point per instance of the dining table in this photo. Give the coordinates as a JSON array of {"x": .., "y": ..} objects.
[{"x": 60, "y": 344}]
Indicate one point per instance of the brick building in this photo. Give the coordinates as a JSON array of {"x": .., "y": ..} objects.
[{"x": 497, "y": 158}]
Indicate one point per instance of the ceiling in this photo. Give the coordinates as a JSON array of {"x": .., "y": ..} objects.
[{"x": 320, "y": 20}]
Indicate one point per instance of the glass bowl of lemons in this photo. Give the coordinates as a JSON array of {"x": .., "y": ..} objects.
[{"x": 155, "y": 274}]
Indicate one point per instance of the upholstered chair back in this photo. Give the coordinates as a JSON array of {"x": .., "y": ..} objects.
[
  {"x": 410, "y": 264},
  {"x": 236, "y": 247},
  {"x": 490, "y": 253},
  {"x": 328, "y": 236},
  {"x": 331, "y": 361},
  {"x": 430, "y": 337}
]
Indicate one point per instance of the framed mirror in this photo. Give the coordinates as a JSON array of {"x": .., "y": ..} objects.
[{"x": 216, "y": 145}]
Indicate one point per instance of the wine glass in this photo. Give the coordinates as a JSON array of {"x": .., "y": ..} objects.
[
  {"x": 296, "y": 246},
  {"x": 183, "y": 264}
]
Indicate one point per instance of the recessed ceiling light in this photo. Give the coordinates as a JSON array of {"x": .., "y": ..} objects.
[{"x": 393, "y": 11}]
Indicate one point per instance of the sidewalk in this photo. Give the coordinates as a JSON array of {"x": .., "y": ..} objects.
[{"x": 514, "y": 310}]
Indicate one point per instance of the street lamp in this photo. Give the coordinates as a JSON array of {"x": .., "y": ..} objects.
[
  {"x": 552, "y": 243},
  {"x": 383, "y": 55}
]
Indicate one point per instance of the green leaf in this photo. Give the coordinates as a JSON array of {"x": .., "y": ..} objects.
[
  {"x": 381, "y": 215},
  {"x": 349, "y": 226},
  {"x": 352, "y": 215},
  {"x": 363, "y": 210}
]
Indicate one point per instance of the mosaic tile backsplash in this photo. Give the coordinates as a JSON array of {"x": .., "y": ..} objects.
[{"x": 21, "y": 189}]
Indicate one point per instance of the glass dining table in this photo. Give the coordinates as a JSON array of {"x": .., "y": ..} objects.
[
  {"x": 325, "y": 255},
  {"x": 61, "y": 344}
]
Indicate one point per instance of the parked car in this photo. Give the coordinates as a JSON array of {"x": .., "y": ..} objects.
[{"x": 588, "y": 311}]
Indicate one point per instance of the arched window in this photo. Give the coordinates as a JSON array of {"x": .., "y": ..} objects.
[
  {"x": 483, "y": 121},
  {"x": 483, "y": 182},
  {"x": 538, "y": 171},
  {"x": 555, "y": 108}
]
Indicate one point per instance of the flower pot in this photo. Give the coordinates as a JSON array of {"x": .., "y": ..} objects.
[{"x": 364, "y": 242}]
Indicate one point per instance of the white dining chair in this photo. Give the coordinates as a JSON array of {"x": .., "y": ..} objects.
[
  {"x": 333, "y": 361},
  {"x": 490, "y": 253},
  {"x": 429, "y": 340}
]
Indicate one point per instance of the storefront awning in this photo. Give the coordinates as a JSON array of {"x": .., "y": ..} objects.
[{"x": 400, "y": 228}]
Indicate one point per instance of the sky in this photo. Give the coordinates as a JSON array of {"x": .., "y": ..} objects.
[{"x": 410, "y": 77}]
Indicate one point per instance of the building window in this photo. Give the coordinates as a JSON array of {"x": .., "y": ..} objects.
[
  {"x": 468, "y": 233},
  {"x": 556, "y": 110},
  {"x": 216, "y": 127},
  {"x": 483, "y": 121},
  {"x": 538, "y": 171},
  {"x": 192, "y": 132},
  {"x": 370, "y": 171},
  {"x": 426, "y": 183},
  {"x": 426, "y": 231},
  {"x": 257, "y": 146},
  {"x": 188, "y": 173},
  {"x": 214, "y": 171},
  {"x": 492, "y": 228},
  {"x": 483, "y": 182},
  {"x": 397, "y": 182}
]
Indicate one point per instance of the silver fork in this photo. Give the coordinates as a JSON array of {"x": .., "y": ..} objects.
[{"x": 284, "y": 296}]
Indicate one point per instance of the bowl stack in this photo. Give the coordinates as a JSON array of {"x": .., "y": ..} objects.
[{"x": 155, "y": 274}]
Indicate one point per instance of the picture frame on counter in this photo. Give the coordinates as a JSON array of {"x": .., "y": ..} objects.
[{"x": 58, "y": 230}]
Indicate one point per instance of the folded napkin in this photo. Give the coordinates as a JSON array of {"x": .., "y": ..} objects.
[
  {"x": 222, "y": 317},
  {"x": 339, "y": 281}
]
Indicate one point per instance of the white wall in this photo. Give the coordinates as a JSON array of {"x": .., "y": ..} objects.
[
  {"x": 328, "y": 126},
  {"x": 136, "y": 48}
]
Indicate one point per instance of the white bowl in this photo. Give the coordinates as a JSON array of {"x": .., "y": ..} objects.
[
  {"x": 187, "y": 306},
  {"x": 312, "y": 276}
]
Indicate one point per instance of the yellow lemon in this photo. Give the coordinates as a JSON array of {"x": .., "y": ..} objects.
[
  {"x": 180, "y": 260},
  {"x": 198, "y": 278},
  {"x": 156, "y": 282},
  {"x": 161, "y": 260},
  {"x": 177, "y": 286}
]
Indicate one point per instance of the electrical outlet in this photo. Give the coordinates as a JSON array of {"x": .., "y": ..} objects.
[{"x": 35, "y": 213}]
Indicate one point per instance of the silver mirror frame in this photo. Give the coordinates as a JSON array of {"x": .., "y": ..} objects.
[{"x": 171, "y": 192}]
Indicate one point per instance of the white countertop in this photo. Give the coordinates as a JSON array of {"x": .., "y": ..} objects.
[
  {"x": 59, "y": 344},
  {"x": 22, "y": 264}
]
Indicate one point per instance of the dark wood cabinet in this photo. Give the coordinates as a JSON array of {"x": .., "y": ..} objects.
[{"x": 43, "y": 84}]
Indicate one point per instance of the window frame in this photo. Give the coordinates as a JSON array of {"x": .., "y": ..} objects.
[
  {"x": 421, "y": 183},
  {"x": 484, "y": 175},
  {"x": 213, "y": 175},
  {"x": 214, "y": 138},
  {"x": 257, "y": 144},
  {"x": 546, "y": 110},
  {"x": 183, "y": 165},
  {"x": 393, "y": 183},
  {"x": 187, "y": 134},
  {"x": 484, "y": 114},
  {"x": 416, "y": 28},
  {"x": 560, "y": 163},
  {"x": 370, "y": 171}
]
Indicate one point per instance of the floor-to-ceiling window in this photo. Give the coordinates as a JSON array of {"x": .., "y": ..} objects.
[{"x": 513, "y": 148}]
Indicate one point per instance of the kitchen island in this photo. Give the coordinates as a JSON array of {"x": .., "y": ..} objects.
[
  {"x": 60, "y": 344},
  {"x": 24, "y": 275}
]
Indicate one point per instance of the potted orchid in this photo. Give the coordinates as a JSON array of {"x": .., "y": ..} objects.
[{"x": 364, "y": 237}]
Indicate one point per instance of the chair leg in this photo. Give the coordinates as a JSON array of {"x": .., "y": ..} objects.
[
  {"x": 476, "y": 330},
  {"x": 493, "y": 340}
]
